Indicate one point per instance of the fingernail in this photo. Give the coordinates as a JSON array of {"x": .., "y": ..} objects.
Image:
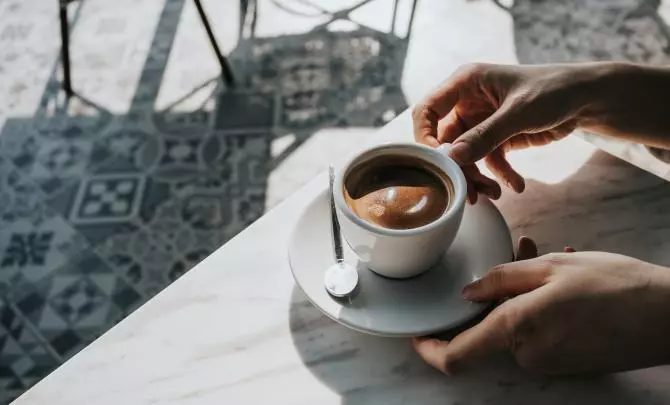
[
  {"x": 495, "y": 192},
  {"x": 461, "y": 153},
  {"x": 469, "y": 291},
  {"x": 522, "y": 185}
]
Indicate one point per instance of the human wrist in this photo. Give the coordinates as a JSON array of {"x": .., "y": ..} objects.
[
  {"x": 624, "y": 100},
  {"x": 596, "y": 85}
]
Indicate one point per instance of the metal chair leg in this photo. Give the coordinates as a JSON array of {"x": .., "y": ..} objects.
[
  {"x": 244, "y": 6},
  {"x": 65, "y": 47},
  {"x": 226, "y": 71},
  {"x": 254, "y": 19}
]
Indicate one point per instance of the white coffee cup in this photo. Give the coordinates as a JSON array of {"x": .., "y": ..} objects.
[{"x": 402, "y": 253}]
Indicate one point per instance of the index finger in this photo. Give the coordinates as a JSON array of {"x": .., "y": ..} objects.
[{"x": 436, "y": 106}]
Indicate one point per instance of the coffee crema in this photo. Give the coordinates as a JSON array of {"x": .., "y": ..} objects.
[{"x": 398, "y": 192}]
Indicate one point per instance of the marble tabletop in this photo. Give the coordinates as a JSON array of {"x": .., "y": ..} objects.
[{"x": 236, "y": 330}]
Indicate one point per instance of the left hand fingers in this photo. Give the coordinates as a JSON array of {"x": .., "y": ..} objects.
[
  {"x": 477, "y": 182},
  {"x": 427, "y": 114},
  {"x": 498, "y": 164},
  {"x": 450, "y": 127}
]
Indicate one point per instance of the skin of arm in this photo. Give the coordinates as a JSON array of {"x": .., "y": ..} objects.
[{"x": 631, "y": 102}]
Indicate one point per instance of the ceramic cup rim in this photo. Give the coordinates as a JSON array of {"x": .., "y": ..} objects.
[{"x": 454, "y": 173}]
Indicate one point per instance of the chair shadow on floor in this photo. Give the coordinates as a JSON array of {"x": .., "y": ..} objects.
[
  {"x": 587, "y": 30},
  {"x": 115, "y": 207},
  {"x": 338, "y": 74}
]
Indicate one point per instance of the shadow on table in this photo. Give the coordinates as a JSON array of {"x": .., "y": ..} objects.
[
  {"x": 607, "y": 205},
  {"x": 365, "y": 369}
]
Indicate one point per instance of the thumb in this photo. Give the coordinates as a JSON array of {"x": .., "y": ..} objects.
[{"x": 483, "y": 138}]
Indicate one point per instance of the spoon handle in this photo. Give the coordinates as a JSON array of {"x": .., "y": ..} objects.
[{"x": 335, "y": 224}]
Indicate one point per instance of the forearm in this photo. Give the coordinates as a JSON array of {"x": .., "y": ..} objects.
[{"x": 626, "y": 101}]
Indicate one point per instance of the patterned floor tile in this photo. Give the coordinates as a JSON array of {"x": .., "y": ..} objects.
[
  {"x": 94, "y": 232},
  {"x": 322, "y": 78},
  {"x": 49, "y": 156},
  {"x": 31, "y": 250},
  {"x": 72, "y": 306},
  {"x": 123, "y": 142},
  {"x": 24, "y": 357},
  {"x": 142, "y": 257},
  {"x": 103, "y": 201},
  {"x": 18, "y": 138},
  {"x": 34, "y": 240},
  {"x": 192, "y": 124},
  {"x": 20, "y": 198},
  {"x": 105, "y": 198},
  {"x": 225, "y": 186}
]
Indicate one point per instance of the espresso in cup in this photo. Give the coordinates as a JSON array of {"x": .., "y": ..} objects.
[{"x": 398, "y": 192}]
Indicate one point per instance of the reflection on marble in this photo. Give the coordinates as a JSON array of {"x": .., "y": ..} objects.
[{"x": 236, "y": 329}]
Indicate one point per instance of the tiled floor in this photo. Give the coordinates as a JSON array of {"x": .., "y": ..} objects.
[{"x": 107, "y": 199}]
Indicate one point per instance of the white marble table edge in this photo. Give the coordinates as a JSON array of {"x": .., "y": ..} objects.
[{"x": 632, "y": 153}]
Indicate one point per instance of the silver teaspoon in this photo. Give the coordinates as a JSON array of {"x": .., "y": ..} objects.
[{"x": 341, "y": 278}]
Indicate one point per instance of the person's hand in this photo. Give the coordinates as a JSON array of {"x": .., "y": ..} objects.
[
  {"x": 487, "y": 110},
  {"x": 566, "y": 313}
]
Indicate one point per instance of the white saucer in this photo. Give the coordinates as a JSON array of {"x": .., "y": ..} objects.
[{"x": 423, "y": 305}]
